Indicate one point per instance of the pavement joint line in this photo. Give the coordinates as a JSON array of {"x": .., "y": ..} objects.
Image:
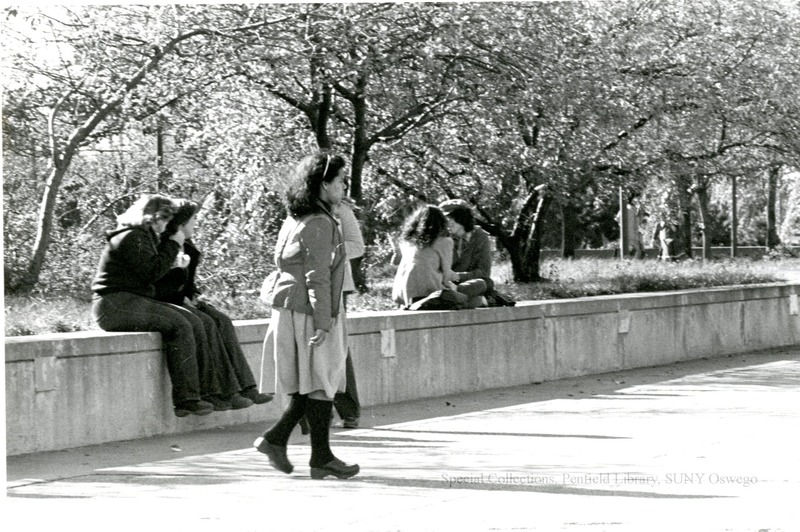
[{"x": 503, "y": 434}]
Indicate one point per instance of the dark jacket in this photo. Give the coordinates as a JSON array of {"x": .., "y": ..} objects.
[
  {"x": 475, "y": 259},
  {"x": 179, "y": 283},
  {"x": 310, "y": 257},
  {"x": 132, "y": 261}
]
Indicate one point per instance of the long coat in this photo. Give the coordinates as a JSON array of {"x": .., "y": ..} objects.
[
  {"x": 310, "y": 257},
  {"x": 474, "y": 259}
]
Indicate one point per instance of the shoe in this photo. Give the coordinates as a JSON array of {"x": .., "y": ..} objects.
[
  {"x": 304, "y": 428},
  {"x": 350, "y": 423},
  {"x": 218, "y": 403},
  {"x": 196, "y": 408},
  {"x": 238, "y": 402},
  {"x": 276, "y": 454},
  {"x": 335, "y": 467},
  {"x": 254, "y": 395}
]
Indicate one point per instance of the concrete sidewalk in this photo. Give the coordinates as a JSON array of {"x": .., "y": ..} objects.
[{"x": 703, "y": 445}]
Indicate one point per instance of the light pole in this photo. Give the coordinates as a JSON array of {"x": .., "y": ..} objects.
[{"x": 623, "y": 225}]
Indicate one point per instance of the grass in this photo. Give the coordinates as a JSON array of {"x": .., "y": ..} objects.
[{"x": 44, "y": 314}]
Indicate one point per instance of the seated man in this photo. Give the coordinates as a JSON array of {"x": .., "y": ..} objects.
[{"x": 472, "y": 253}]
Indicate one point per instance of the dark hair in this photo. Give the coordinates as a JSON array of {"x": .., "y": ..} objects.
[
  {"x": 146, "y": 210},
  {"x": 184, "y": 210},
  {"x": 305, "y": 182},
  {"x": 463, "y": 216},
  {"x": 424, "y": 226}
]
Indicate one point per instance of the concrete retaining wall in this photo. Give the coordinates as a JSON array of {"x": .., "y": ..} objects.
[
  {"x": 75, "y": 389},
  {"x": 754, "y": 252}
]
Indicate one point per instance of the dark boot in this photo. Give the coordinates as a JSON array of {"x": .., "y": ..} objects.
[
  {"x": 323, "y": 462},
  {"x": 273, "y": 442},
  {"x": 304, "y": 426}
]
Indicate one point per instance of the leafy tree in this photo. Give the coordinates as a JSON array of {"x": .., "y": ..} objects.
[
  {"x": 536, "y": 113},
  {"x": 104, "y": 55}
]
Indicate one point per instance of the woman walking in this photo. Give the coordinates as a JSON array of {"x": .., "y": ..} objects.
[{"x": 307, "y": 334}]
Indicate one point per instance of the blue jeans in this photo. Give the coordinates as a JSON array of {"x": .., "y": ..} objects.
[
  {"x": 232, "y": 363},
  {"x": 189, "y": 363},
  {"x": 346, "y": 403},
  {"x": 474, "y": 289}
]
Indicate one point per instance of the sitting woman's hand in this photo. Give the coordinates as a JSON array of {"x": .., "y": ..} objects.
[
  {"x": 450, "y": 285},
  {"x": 182, "y": 260}
]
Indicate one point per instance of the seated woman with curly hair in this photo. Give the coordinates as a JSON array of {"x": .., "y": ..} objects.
[{"x": 426, "y": 253}]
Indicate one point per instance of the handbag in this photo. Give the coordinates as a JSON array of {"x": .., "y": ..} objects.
[{"x": 268, "y": 287}]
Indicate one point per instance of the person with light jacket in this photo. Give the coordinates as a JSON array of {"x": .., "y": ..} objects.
[
  {"x": 307, "y": 333},
  {"x": 346, "y": 403}
]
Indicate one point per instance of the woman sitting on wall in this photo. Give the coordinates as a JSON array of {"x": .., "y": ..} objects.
[
  {"x": 426, "y": 253},
  {"x": 124, "y": 299},
  {"x": 472, "y": 253},
  {"x": 178, "y": 287}
]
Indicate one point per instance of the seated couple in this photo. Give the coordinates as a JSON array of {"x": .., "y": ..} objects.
[
  {"x": 145, "y": 281},
  {"x": 442, "y": 248}
]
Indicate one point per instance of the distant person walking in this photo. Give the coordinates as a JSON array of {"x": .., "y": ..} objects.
[
  {"x": 633, "y": 236},
  {"x": 307, "y": 332},
  {"x": 663, "y": 235},
  {"x": 133, "y": 259}
]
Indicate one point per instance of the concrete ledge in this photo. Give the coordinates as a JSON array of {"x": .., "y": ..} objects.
[
  {"x": 75, "y": 389},
  {"x": 716, "y": 251}
]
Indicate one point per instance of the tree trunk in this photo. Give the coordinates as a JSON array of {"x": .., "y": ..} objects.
[
  {"x": 322, "y": 118},
  {"x": 162, "y": 171},
  {"x": 360, "y": 143},
  {"x": 533, "y": 244},
  {"x": 772, "y": 239},
  {"x": 701, "y": 194},
  {"x": 570, "y": 230},
  {"x": 524, "y": 243},
  {"x": 359, "y": 158},
  {"x": 62, "y": 158},
  {"x": 44, "y": 228},
  {"x": 734, "y": 219},
  {"x": 359, "y": 277},
  {"x": 683, "y": 236}
]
